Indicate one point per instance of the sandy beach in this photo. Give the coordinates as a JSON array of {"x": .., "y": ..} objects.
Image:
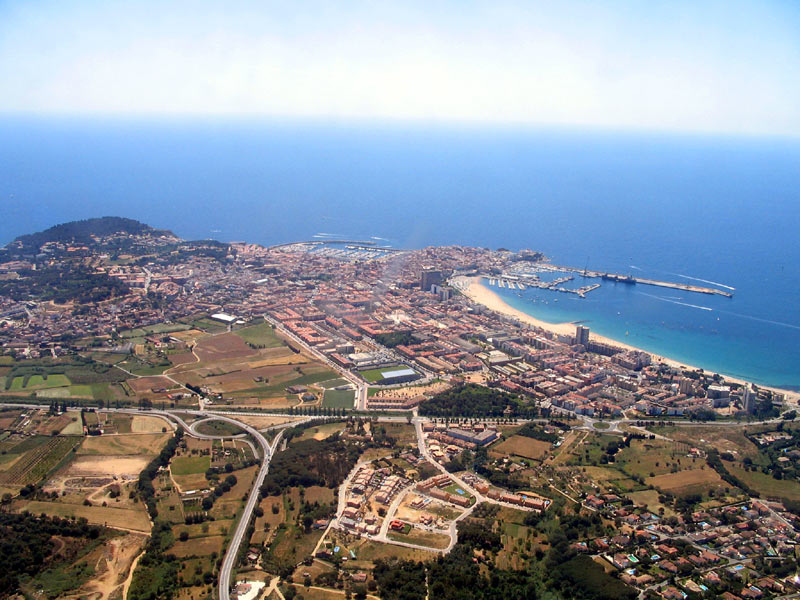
[{"x": 477, "y": 292}]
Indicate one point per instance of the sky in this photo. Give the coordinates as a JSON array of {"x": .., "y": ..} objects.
[{"x": 676, "y": 65}]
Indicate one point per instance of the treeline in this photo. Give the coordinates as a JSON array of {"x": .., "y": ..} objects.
[
  {"x": 310, "y": 462},
  {"x": 472, "y": 400},
  {"x": 27, "y": 546},
  {"x": 146, "y": 477}
]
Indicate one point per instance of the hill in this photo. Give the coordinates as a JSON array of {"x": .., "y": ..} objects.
[{"x": 85, "y": 231}]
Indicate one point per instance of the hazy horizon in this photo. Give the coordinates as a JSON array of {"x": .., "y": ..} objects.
[{"x": 668, "y": 67}]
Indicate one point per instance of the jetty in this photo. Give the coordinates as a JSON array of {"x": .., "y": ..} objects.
[{"x": 629, "y": 279}]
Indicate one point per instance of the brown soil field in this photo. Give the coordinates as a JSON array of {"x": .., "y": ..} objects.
[
  {"x": 196, "y": 444},
  {"x": 135, "y": 520},
  {"x": 107, "y": 466},
  {"x": 182, "y": 358},
  {"x": 222, "y": 347},
  {"x": 50, "y": 424},
  {"x": 7, "y": 420},
  {"x": 125, "y": 444},
  {"x": 143, "y": 424},
  {"x": 687, "y": 482},
  {"x": 145, "y": 384},
  {"x": 522, "y": 446},
  {"x": 188, "y": 335},
  {"x": 198, "y": 547}
]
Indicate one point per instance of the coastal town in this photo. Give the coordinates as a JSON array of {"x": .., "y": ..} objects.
[{"x": 401, "y": 412}]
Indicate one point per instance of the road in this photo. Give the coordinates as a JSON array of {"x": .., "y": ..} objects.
[{"x": 362, "y": 389}]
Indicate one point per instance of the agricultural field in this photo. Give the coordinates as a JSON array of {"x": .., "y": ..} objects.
[
  {"x": 189, "y": 471},
  {"x": 35, "y": 460},
  {"x": 261, "y": 336},
  {"x": 124, "y": 444},
  {"x": 691, "y": 481},
  {"x": 226, "y": 346},
  {"x": 525, "y": 447},
  {"x": 119, "y": 518}
]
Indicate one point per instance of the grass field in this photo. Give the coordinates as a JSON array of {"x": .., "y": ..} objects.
[
  {"x": 320, "y": 432},
  {"x": 525, "y": 447},
  {"x": 261, "y": 335},
  {"x": 38, "y": 382},
  {"x": 374, "y": 375},
  {"x": 422, "y": 538},
  {"x": 656, "y": 457},
  {"x": 190, "y": 465},
  {"x": 649, "y": 498},
  {"x": 219, "y": 428},
  {"x": 338, "y": 398},
  {"x": 767, "y": 485},
  {"x": 692, "y": 481},
  {"x": 145, "y": 444},
  {"x": 153, "y": 329},
  {"x": 724, "y": 439},
  {"x": 202, "y": 546},
  {"x": 122, "y": 518}
]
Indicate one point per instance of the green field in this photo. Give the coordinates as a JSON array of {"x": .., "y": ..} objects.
[
  {"x": 338, "y": 398},
  {"x": 190, "y": 465},
  {"x": 38, "y": 382},
  {"x": 373, "y": 375},
  {"x": 219, "y": 428},
  {"x": 158, "y": 328},
  {"x": 261, "y": 335}
]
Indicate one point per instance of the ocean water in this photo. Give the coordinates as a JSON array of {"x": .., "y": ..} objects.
[{"x": 675, "y": 207}]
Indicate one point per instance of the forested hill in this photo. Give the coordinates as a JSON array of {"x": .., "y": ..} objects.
[{"x": 84, "y": 231}]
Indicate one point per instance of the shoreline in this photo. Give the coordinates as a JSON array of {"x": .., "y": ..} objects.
[{"x": 479, "y": 293}]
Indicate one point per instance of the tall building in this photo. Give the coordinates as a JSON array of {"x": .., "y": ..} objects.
[
  {"x": 582, "y": 336},
  {"x": 748, "y": 399},
  {"x": 430, "y": 277}
]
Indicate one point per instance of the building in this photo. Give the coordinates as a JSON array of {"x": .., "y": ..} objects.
[
  {"x": 480, "y": 438},
  {"x": 429, "y": 278},
  {"x": 394, "y": 376},
  {"x": 748, "y": 399},
  {"x": 582, "y": 336}
]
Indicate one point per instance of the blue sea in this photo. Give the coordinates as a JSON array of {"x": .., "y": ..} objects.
[{"x": 709, "y": 210}]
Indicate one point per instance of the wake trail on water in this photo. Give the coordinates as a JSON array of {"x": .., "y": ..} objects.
[
  {"x": 727, "y": 287},
  {"x": 759, "y": 319},
  {"x": 676, "y": 302}
]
